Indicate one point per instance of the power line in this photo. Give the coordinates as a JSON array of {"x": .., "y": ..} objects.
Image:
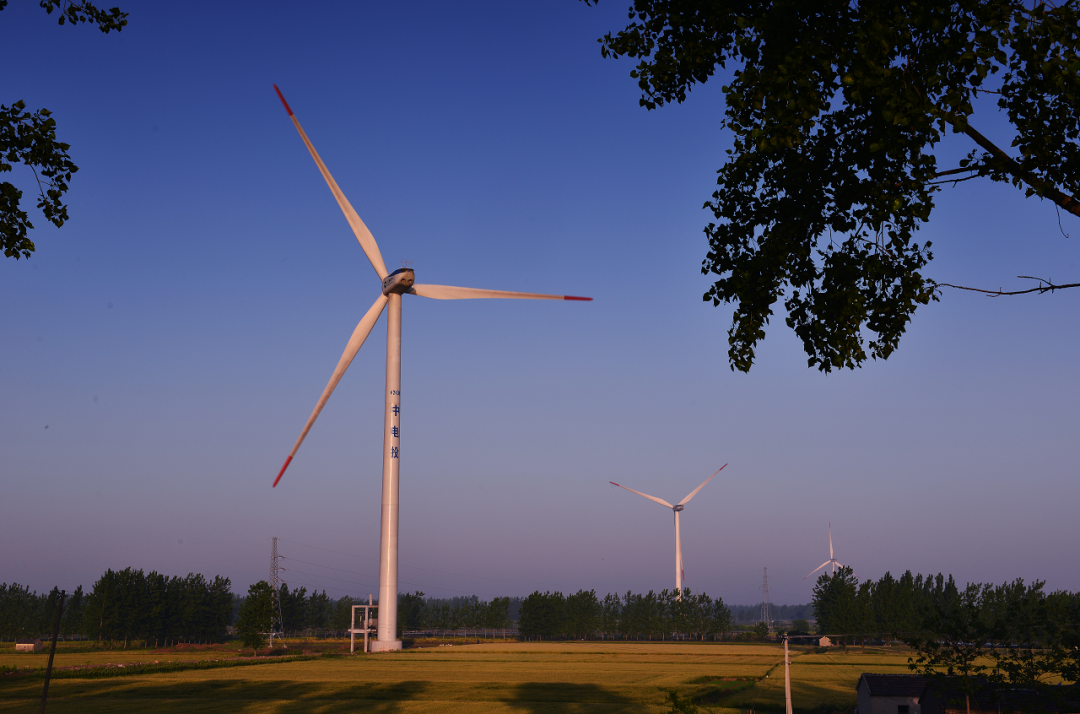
[
  {"x": 330, "y": 567},
  {"x": 364, "y": 575}
]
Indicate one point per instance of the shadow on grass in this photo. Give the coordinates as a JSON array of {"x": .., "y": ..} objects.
[
  {"x": 93, "y": 696},
  {"x": 807, "y": 698},
  {"x": 220, "y": 695},
  {"x": 565, "y": 697}
]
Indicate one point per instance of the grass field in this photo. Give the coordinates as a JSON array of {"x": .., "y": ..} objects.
[{"x": 500, "y": 677}]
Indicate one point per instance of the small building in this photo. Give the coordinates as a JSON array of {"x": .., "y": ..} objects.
[
  {"x": 824, "y": 642},
  {"x": 890, "y": 693},
  {"x": 28, "y": 645}
]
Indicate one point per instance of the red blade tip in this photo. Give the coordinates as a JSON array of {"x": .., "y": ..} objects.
[
  {"x": 614, "y": 484},
  {"x": 282, "y": 98},
  {"x": 565, "y": 297},
  {"x": 280, "y": 473}
]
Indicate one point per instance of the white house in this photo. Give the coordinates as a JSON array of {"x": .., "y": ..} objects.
[
  {"x": 28, "y": 645},
  {"x": 890, "y": 693}
]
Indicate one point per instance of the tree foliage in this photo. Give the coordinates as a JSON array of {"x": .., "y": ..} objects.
[
  {"x": 29, "y": 138},
  {"x": 641, "y": 616},
  {"x": 130, "y": 605},
  {"x": 1013, "y": 635},
  {"x": 410, "y": 611},
  {"x": 980, "y": 635},
  {"x": 124, "y": 605},
  {"x": 256, "y": 615},
  {"x": 838, "y": 111}
]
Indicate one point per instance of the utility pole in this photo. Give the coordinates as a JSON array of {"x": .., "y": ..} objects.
[
  {"x": 277, "y": 626},
  {"x": 52, "y": 651},
  {"x": 765, "y": 615},
  {"x": 787, "y": 678}
]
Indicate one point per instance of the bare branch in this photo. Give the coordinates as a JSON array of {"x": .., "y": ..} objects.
[
  {"x": 1042, "y": 187},
  {"x": 952, "y": 181},
  {"x": 1045, "y": 286}
]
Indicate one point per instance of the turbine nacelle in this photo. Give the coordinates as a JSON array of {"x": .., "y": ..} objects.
[
  {"x": 678, "y": 508},
  {"x": 400, "y": 281}
]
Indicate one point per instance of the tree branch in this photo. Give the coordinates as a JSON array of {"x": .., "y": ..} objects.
[
  {"x": 952, "y": 181},
  {"x": 1045, "y": 286},
  {"x": 1069, "y": 203},
  {"x": 950, "y": 172}
]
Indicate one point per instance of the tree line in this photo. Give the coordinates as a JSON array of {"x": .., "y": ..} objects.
[
  {"x": 654, "y": 616},
  {"x": 124, "y": 606},
  {"x": 751, "y": 614},
  {"x": 546, "y": 615},
  {"x": 25, "y": 613},
  {"x": 464, "y": 613},
  {"x": 1013, "y": 633}
]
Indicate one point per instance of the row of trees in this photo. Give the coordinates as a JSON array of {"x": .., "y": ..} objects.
[
  {"x": 130, "y": 605},
  {"x": 1013, "y": 633},
  {"x": 471, "y": 613},
  {"x": 25, "y": 613},
  {"x": 301, "y": 614},
  {"x": 540, "y": 615},
  {"x": 125, "y": 605},
  {"x": 751, "y": 614},
  {"x": 319, "y": 614},
  {"x": 631, "y": 616}
]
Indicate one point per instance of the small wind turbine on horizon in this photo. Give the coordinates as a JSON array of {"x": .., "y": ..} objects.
[
  {"x": 831, "y": 561},
  {"x": 680, "y": 575},
  {"x": 394, "y": 285}
]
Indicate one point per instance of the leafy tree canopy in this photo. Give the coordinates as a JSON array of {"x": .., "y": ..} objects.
[
  {"x": 29, "y": 138},
  {"x": 838, "y": 109},
  {"x": 256, "y": 615}
]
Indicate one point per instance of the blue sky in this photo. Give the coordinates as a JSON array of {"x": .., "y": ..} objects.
[{"x": 174, "y": 335}]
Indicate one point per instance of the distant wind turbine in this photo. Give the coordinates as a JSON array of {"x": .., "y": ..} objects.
[
  {"x": 831, "y": 561},
  {"x": 679, "y": 574}
]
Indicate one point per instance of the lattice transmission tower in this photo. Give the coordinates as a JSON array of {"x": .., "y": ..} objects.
[
  {"x": 277, "y": 627},
  {"x": 766, "y": 616}
]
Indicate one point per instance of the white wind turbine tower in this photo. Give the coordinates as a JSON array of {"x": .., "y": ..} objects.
[
  {"x": 394, "y": 285},
  {"x": 679, "y": 574},
  {"x": 831, "y": 561}
]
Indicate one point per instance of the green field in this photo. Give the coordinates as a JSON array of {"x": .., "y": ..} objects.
[{"x": 497, "y": 677}]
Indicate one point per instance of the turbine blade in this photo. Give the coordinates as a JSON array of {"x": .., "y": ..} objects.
[
  {"x": 661, "y": 501},
  {"x": 818, "y": 568},
  {"x": 830, "y": 541},
  {"x": 358, "y": 336},
  {"x": 450, "y": 292},
  {"x": 367, "y": 241},
  {"x": 694, "y": 492}
]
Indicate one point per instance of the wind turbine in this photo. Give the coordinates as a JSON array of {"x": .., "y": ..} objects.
[
  {"x": 679, "y": 574},
  {"x": 831, "y": 561},
  {"x": 394, "y": 285}
]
